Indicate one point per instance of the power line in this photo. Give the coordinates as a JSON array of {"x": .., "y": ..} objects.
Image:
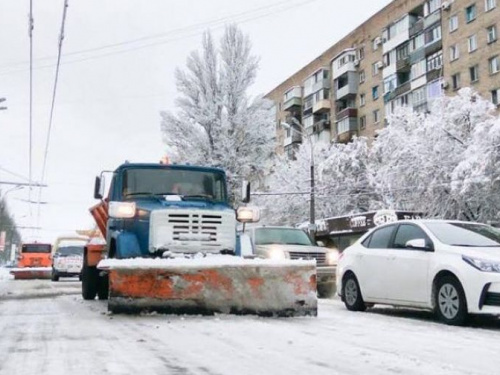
[
  {"x": 195, "y": 29},
  {"x": 54, "y": 91},
  {"x": 30, "y": 30},
  {"x": 14, "y": 173}
]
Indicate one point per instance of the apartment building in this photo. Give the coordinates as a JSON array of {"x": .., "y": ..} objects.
[{"x": 408, "y": 54}]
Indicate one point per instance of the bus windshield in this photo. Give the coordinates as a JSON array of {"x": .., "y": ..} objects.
[{"x": 36, "y": 248}]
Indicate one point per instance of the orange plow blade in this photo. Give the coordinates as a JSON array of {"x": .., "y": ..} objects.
[
  {"x": 242, "y": 287},
  {"x": 29, "y": 273}
]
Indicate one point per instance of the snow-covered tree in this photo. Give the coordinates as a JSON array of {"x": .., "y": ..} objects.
[
  {"x": 292, "y": 176},
  {"x": 431, "y": 162},
  {"x": 217, "y": 123}
]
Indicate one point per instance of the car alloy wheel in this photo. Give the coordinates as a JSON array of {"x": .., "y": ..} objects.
[{"x": 351, "y": 292}]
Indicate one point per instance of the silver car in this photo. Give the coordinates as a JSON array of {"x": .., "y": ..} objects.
[{"x": 273, "y": 242}]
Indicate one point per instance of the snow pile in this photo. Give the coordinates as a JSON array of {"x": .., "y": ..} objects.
[{"x": 201, "y": 262}]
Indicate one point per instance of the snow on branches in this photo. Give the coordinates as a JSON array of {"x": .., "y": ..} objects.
[{"x": 217, "y": 123}]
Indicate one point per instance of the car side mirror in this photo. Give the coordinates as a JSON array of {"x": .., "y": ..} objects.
[{"x": 419, "y": 244}]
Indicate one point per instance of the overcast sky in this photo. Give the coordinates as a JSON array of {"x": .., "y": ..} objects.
[{"x": 117, "y": 74}]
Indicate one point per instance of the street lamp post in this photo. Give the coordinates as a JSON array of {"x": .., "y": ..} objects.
[{"x": 312, "y": 203}]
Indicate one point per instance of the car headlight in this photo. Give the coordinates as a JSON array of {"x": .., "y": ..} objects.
[
  {"x": 332, "y": 257},
  {"x": 482, "y": 264},
  {"x": 121, "y": 210},
  {"x": 276, "y": 254}
]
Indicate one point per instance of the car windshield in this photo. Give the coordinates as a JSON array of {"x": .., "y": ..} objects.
[
  {"x": 70, "y": 250},
  {"x": 282, "y": 236},
  {"x": 190, "y": 184},
  {"x": 36, "y": 248},
  {"x": 465, "y": 234}
]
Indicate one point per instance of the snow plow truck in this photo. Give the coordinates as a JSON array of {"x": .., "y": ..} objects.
[
  {"x": 34, "y": 261},
  {"x": 171, "y": 246}
]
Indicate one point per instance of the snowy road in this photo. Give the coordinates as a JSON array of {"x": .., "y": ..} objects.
[{"x": 46, "y": 328}]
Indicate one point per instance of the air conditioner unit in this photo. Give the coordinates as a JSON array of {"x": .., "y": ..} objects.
[
  {"x": 444, "y": 85},
  {"x": 378, "y": 40},
  {"x": 379, "y": 64},
  {"x": 446, "y": 5},
  {"x": 356, "y": 62}
]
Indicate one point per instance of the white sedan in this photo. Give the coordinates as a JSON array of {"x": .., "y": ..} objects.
[{"x": 451, "y": 267}]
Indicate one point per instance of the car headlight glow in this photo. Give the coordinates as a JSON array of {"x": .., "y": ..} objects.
[
  {"x": 122, "y": 210},
  {"x": 332, "y": 257},
  {"x": 277, "y": 254},
  {"x": 482, "y": 264}
]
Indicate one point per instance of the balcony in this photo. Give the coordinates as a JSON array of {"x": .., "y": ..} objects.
[
  {"x": 293, "y": 138},
  {"x": 347, "y": 112},
  {"x": 403, "y": 65},
  {"x": 346, "y": 129},
  {"x": 433, "y": 47},
  {"x": 321, "y": 125},
  {"x": 347, "y": 90},
  {"x": 292, "y": 103},
  {"x": 344, "y": 62},
  {"x": 402, "y": 89},
  {"x": 322, "y": 106},
  {"x": 433, "y": 74},
  {"x": 431, "y": 19},
  {"x": 417, "y": 27}
]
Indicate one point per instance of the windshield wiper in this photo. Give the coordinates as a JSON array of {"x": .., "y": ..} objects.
[{"x": 202, "y": 196}]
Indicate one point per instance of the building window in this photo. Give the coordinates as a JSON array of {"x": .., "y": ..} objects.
[
  {"x": 454, "y": 52},
  {"x": 433, "y": 35},
  {"x": 361, "y": 53},
  {"x": 419, "y": 96},
  {"x": 455, "y": 81},
  {"x": 376, "y": 116},
  {"x": 489, "y": 5},
  {"x": 431, "y": 6},
  {"x": 403, "y": 52},
  {"x": 453, "y": 23},
  {"x": 470, "y": 13},
  {"x": 474, "y": 73},
  {"x": 494, "y": 96},
  {"x": 362, "y": 100},
  {"x": 390, "y": 83},
  {"x": 375, "y": 43},
  {"x": 375, "y": 68},
  {"x": 361, "y": 76},
  {"x": 435, "y": 61},
  {"x": 494, "y": 64},
  {"x": 362, "y": 122},
  {"x": 375, "y": 92},
  {"x": 418, "y": 69},
  {"x": 491, "y": 33},
  {"x": 472, "y": 43}
]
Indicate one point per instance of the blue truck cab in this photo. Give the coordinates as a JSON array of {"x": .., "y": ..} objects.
[{"x": 167, "y": 210}]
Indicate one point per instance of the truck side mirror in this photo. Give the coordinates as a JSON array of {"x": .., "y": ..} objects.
[
  {"x": 245, "y": 191},
  {"x": 97, "y": 188}
]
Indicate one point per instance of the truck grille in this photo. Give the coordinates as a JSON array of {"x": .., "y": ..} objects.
[
  {"x": 319, "y": 257},
  {"x": 192, "y": 230}
]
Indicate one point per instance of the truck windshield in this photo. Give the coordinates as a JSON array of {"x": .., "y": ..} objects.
[
  {"x": 36, "y": 248},
  {"x": 282, "y": 236},
  {"x": 70, "y": 250},
  {"x": 190, "y": 184}
]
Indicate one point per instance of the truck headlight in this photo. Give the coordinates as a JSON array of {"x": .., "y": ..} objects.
[
  {"x": 332, "y": 257},
  {"x": 121, "y": 210},
  {"x": 482, "y": 264},
  {"x": 277, "y": 254}
]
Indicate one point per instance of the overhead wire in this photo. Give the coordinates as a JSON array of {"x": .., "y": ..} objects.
[
  {"x": 30, "y": 169},
  {"x": 54, "y": 91},
  {"x": 193, "y": 30}
]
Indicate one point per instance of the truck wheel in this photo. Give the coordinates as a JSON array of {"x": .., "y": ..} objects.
[
  {"x": 326, "y": 290},
  {"x": 90, "y": 280},
  {"x": 103, "y": 287},
  {"x": 54, "y": 276}
]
